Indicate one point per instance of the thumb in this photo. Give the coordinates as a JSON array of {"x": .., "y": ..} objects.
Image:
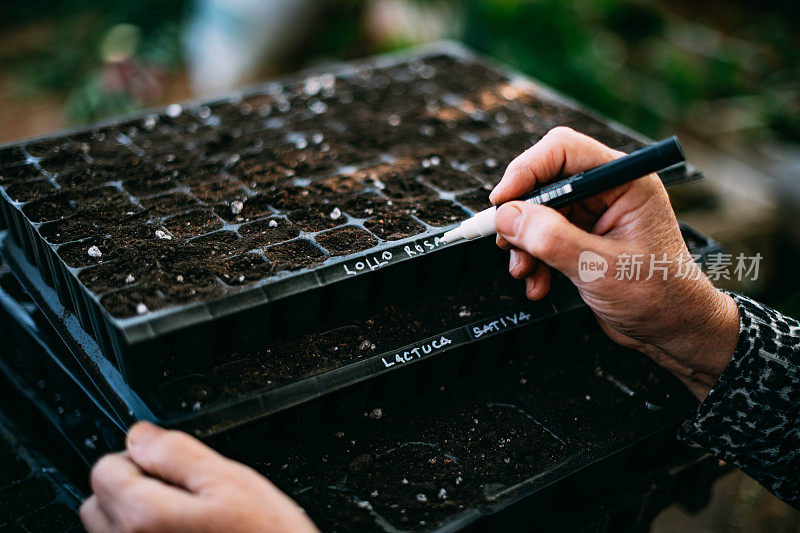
[{"x": 545, "y": 234}]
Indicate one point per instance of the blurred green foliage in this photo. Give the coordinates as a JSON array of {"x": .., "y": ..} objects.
[
  {"x": 647, "y": 64},
  {"x": 70, "y": 60},
  {"x": 640, "y": 63}
]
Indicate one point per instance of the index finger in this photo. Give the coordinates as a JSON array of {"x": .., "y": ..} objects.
[
  {"x": 122, "y": 489},
  {"x": 562, "y": 152}
]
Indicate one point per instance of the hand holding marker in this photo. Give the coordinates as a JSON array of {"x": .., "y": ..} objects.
[{"x": 653, "y": 158}]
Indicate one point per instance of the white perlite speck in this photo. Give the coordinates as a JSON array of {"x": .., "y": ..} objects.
[
  {"x": 141, "y": 309},
  {"x": 422, "y": 498},
  {"x": 173, "y": 110},
  {"x": 336, "y": 213},
  {"x": 161, "y": 234},
  {"x": 442, "y": 494},
  {"x": 273, "y": 224},
  {"x": 236, "y": 207},
  {"x": 318, "y": 107},
  {"x": 94, "y": 251},
  {"x": 130, "y": 279}
]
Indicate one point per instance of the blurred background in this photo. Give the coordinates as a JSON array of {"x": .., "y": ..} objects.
[{"x": 725, "y": 76}]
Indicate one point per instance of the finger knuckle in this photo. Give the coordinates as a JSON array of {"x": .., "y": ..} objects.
[
  {"x": 101, "y": 469},
  {"x": 561, "y": 133},
  {"x": 169, "y": 442},
  {"x": 515, "y": 167}
]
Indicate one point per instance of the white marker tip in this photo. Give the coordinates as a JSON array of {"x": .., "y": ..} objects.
[{"x": 451, "y": 236}]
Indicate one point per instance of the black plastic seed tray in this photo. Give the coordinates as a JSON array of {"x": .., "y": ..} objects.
[
  {"x": 569, "y": 432},
  {"x": 45, "y": 391},
  {"x": 569, "y": 429},
  {"x": 323, "y": 193},
  {"x": 34, "y": 496},
  {"x": 240, "y": 387}
]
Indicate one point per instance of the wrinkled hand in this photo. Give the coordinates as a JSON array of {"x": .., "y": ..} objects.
[
  {"x": 169, "y": 481},
  {"x": 685, "y": 325}
]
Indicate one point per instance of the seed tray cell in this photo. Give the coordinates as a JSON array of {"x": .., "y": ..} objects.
[
  {"x": 431, "y": 450},
  {"x": 154, "y": 205}
]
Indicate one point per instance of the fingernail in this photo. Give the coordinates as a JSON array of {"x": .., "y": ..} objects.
[
  {"x": 495, "y": 192},
  {"x": 513, "y": 261},
  {"x": 506, "y": 219},
  {"x": 141, "y": 433}
]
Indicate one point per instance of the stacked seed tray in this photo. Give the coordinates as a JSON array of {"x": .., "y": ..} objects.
[
  {"x": 42, "y": 380},
  {"x": 570, "y": 433},
  {"x": 213, "y": 226},
  {"x": 34, "y": 496},
  {"x": 251, "y": 385},
  {"x": 266, "y": 264}
]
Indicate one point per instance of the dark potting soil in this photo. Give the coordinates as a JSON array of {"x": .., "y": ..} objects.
[
  {"x": 170, "y": 204},
  {"x": 193, "y": 224},
  {"x": 348, "y": 239},
  {"x": 30, "y": 190},
  {"x": 237, "y": 374},
  {"x": 417, "y": 452},
  {"x": 387, "y": 147},
  {"x": 317, "y": 217},
  {"x": 269, "y": 231},
  {"x": 475, "y": 201},
  {"x": 293, "y": 255},
  {"x": 393, "y": 226},
  {"x": 16, "y": 173}
]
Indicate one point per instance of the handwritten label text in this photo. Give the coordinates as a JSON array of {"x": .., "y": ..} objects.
[
  {"x": 372, "y": 262},
  {"x": 417, "y": 352},
  {"x": 501, "y": 323}
]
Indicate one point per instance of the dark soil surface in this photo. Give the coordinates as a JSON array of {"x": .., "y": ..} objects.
[
  {"x": 393, "y": 226},
  {"x": 193, "y": 224},
  {"x": 17, "y": 173},
  {"x": 388, "y": 146},
  {"x": 317, "y": 217},
  {"x": 294, "y": 255},
  {"x": 269, "y": 231},
  {"x": 235, "y": 374},
  {"x": 416, "y": 452},
  {"x": 345, "y": 240},
  {"x": 30, "y": 190}
]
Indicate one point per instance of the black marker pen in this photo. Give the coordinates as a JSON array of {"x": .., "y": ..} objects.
[{"x": 653, "y": 158}]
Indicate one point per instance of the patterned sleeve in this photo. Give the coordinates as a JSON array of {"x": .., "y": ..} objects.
[{"x": 751, "y": 417}]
